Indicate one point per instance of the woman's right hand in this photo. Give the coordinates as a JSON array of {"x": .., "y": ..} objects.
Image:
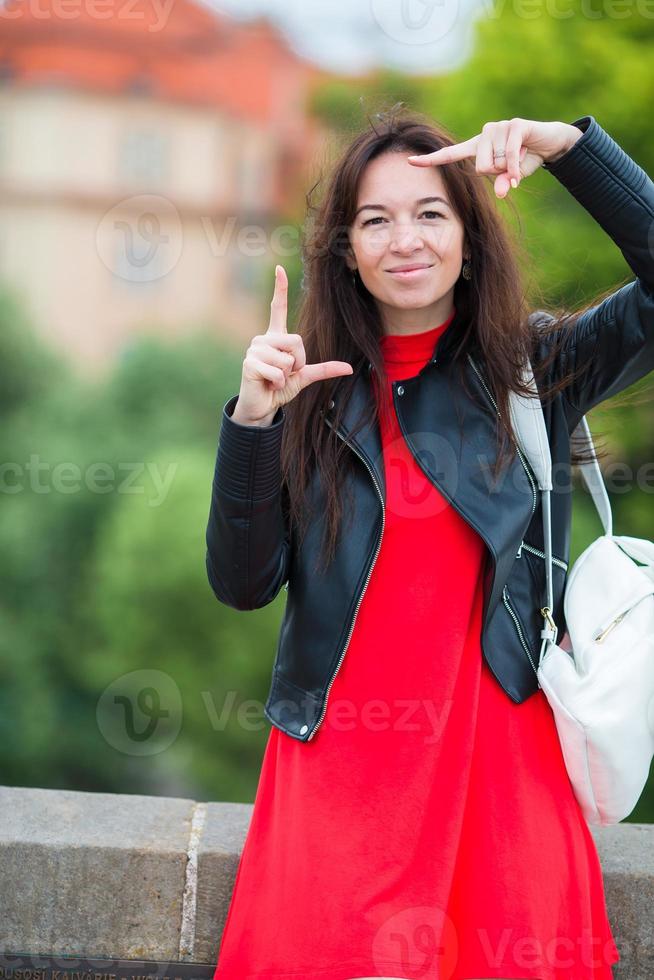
[{"x": 275, "y": 368}]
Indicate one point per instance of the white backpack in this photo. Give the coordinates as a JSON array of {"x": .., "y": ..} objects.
[{"x": 599, "y": 681}]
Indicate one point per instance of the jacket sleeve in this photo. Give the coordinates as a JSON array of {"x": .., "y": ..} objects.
[
  {"x": 247, "y": 536},
  {"x": 614, "y": 340}
]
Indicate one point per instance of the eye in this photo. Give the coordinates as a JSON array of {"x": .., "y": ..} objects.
[{"x": 371, "y": 221}]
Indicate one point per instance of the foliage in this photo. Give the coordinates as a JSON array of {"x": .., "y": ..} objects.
[{"x": 104, "y": 573}]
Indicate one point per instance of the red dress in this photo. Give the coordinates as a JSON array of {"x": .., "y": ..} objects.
[{"x": 429, "y": 829}]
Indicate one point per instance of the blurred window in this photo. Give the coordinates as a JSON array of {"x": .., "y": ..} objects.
[{"x": 144, "y": 157}]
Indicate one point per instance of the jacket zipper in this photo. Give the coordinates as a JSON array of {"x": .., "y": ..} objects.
[
  {"x": 541, "y": 554},
  {"x": 365, "y": 584},
  {"x": 505, "y": 600},
  {"x": 519, "y": 451}
]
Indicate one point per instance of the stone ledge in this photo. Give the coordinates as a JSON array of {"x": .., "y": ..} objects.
[{"x": 149, "y": 877}]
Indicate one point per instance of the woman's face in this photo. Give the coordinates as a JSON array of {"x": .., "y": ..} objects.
[{"x": 394, "y": 227}]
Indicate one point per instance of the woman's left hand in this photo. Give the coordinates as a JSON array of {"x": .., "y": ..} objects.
[{"x": 511, "y": 149}]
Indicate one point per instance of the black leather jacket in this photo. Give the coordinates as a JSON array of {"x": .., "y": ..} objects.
[{"x": 251, "y": 555}]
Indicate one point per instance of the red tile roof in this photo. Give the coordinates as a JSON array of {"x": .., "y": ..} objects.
[{"x": 177, "y": 50}]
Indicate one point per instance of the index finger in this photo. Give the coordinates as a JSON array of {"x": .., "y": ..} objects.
[
  {"x": 447, "y": 154},
  {"x": 279, "y": 303}
]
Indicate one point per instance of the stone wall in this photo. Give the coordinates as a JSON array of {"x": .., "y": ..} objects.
[{"x": 150, "y": 878}]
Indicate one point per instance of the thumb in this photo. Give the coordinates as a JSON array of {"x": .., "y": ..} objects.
[
  {"x": 503, "y": 182},
  {"x": 323, "y": 371},
  {"x": 502, "y": 185}
]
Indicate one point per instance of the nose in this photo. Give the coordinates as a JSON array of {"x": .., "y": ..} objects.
[{"x": 405, "y": 239}]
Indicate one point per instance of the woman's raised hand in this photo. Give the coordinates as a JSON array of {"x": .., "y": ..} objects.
[
  {"x": 511, "y": 149},
  {"x": 275, "y": 367}
]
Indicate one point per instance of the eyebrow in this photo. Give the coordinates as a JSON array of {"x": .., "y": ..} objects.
[{"x": 382, "y": 207}]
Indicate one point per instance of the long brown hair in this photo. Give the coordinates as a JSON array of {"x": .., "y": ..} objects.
[{"x": 338, "y": 318}]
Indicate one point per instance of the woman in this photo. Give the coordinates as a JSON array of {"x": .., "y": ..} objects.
[{"x": 414, "y": 817}]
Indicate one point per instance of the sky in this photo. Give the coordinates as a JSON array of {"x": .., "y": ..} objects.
[{"x": 354, "y": 36}]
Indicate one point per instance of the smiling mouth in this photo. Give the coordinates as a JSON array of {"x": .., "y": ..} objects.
[{"x": 410, "y": 273}]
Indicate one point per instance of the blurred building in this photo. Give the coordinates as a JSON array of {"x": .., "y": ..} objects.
[{"x": 150, "y": 155}]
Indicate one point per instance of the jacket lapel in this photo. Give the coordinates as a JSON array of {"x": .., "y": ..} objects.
[
  {"x": 454, "y": 440},
  {"x": 357, "y": 396}
]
